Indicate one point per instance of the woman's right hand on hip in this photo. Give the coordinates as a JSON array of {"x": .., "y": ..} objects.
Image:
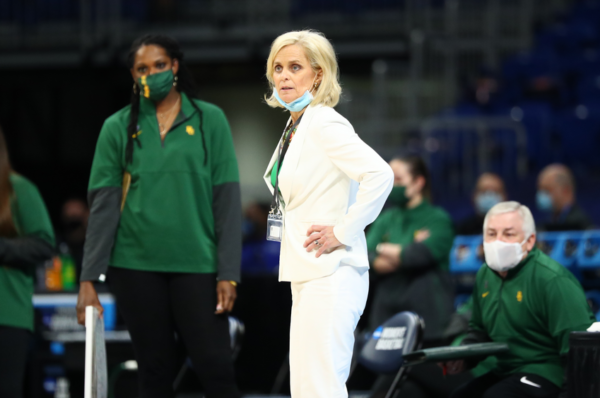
[{"x": 87, "y": 296}]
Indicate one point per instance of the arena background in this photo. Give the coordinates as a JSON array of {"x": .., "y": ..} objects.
[{"x": 508, "y": 86}]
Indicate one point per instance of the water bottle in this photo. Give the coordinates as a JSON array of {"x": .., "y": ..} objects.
[
  {"x": 68, "y": 274},
  {"x": 54, "y": 274}
]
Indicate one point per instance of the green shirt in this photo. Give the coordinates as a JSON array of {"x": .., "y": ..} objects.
[
  {"x": 422, "y": 283},
  {"x": 276, "y": 169},
  {"x": 274, "y": 173},
  {"x": 400, "y": 226},
  {"x": 168, "y": 223},
  {"x": 16, "y": 286},
  {"x": 533, "y": 310}
]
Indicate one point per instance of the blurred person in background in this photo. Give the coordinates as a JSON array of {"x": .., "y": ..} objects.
[
  {"x": 409, "y": 247},
  {"x": 166, "y": 216},
  {"x": 74, "y": 219},
  {"x": 489, "y": 191},
  {"x": 26, "y": 240},
  {"x": 255, "y": 222},
  {"x": 523, "y": 298},
  {"x": 259, "y": 255},
  {"x": 483, "y": 90},
  {"x": 331, "y": 186},
  {"x": 556, "y": 198},
  {"x": 544, "y": 87}
]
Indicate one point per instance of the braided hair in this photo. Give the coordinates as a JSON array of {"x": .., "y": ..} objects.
[{"x": 185, "y": 84}]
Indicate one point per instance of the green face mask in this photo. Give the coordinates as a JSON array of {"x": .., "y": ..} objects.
[
  {"x": 156, "y": 86},
  {"x": 398, "y": 196}
]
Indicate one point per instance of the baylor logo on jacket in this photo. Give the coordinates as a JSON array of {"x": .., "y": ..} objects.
[{"x": 519, "y": 296}]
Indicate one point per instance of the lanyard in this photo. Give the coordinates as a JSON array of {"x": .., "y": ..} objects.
[{"x": 287, "y": 138}]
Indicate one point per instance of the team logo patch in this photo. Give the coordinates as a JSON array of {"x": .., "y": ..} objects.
[
  {"x": 484, "y": 295},
  {"x": 520, "y": 296},
  {"x": 189, "y": 130}
]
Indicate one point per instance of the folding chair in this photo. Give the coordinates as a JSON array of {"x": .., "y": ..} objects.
[{"x": 384, "y": 351}]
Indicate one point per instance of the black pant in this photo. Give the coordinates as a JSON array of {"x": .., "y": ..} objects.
[
  {"x": 517, "y": 385},
  {"x": 155, "y": 306},
  {"x": 14, "y": 344}
]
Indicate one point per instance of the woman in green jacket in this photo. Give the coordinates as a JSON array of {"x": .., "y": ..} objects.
[
  {"x": 409, "y": 246},
  {"x": 26, "y": 240},
  {"x": 166, "y": 217}
]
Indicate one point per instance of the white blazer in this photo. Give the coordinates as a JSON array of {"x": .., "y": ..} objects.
[{"x": 329, "y": 176}]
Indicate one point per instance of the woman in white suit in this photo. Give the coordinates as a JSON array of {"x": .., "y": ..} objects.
[{"x": 330, "y": 186}]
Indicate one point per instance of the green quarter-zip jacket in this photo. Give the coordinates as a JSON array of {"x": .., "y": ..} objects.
[
  {"x": 20, "y": 255},
  {"x": 397, "y": 225},
  {"x": 533, "y": 310},
  {"x": 183, "y": 210},
  {"x": 422, "y": 283}
]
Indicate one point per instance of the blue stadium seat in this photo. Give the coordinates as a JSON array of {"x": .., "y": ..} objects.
[
  {"x": 588, "y": 88},
  {"x": 588, "y": 253},
  {"x": 562, "y": 247},
  {"x": 461, "y": 109},
  {"x": 466, "y": 255},
  {"x": 593, "y": 297},
  {"x": 578, "y": 130},
  {"x": 586, "y": 11},
  {"x": 582, "y": 63},
  {"x": 569, "y": 37},
  {"x": 528, "y": 65},
  {"x": 554, "y": 245},
  {"x": 536, "y": 117}
]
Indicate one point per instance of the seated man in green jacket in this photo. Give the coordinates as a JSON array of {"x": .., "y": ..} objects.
[{"x": 525, "y": 299}]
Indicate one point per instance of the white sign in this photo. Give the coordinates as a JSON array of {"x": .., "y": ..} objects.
[{"x": 392, "y": 338}]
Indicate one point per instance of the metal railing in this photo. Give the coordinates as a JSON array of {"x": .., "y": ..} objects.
[
  {"x": 439, "y": 39},
  {"x": 463, "y": 148},
  {"x": 109, "y": 24},
  {"x": 444, "y": 44}
]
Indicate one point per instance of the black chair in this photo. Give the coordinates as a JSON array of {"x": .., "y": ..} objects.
[{"x": 384, "y": 351}]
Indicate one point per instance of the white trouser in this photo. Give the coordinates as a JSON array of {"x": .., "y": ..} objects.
[{"x": 325, "y": 312}]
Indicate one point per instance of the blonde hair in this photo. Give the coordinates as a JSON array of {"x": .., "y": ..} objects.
[
  {"x": 321, "y": 55},
  {"x": 509, "y": 207}
]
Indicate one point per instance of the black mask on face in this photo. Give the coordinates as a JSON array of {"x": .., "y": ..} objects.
[{"x": 72, "y": 225}]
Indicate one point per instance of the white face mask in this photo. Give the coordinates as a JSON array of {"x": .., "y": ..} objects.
[{"x": 501, "y": 256}]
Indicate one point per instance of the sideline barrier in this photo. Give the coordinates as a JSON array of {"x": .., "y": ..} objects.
[{"x": 576, "y": 250}]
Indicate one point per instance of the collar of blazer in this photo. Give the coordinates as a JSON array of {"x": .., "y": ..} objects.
[{"x": 292, "y": 157}]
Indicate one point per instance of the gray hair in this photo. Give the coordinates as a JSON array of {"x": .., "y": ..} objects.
[{"x": 509, "y": 207}]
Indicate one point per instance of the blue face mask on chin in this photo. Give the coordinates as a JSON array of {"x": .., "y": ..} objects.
[
  {"x": 298, "y": 104},
  {"x": 543, "y": 201},
  {"x": 486, "y": 200}
]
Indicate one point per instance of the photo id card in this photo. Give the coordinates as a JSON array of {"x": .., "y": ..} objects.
[{"x": 275, "y": 227}]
